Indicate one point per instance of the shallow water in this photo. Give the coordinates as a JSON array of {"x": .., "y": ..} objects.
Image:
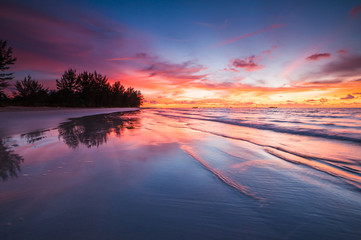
[{"x": 186, "y": 174}]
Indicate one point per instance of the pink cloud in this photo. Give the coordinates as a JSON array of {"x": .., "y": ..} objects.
[
  {"x": 341, "y": 51},
  {"x": 248, "y": 63},
  {"x": 317, "y": 56},
  {"x": 269, "y": 51},
  {"x": 232, "y": 40},
  {"x": 174, "y": 73},
  {"x": 230, "y": 70}
]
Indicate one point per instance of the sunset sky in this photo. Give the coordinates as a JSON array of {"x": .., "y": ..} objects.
[{"x": 196, "y": 53}]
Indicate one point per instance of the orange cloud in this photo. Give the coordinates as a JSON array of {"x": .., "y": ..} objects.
[{"x": 234, "y": 94}]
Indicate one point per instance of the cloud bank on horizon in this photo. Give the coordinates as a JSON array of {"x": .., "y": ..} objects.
[{"x": 192, "y": 53}]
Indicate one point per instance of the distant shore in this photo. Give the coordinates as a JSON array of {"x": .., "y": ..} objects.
[{"x": 19, "y": 120}]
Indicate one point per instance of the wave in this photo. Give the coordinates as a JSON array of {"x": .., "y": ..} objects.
[
  {"x": 221, "y": 176},
  {"x": 321, "y": 133},
  {"x": 350, "y": 178}
]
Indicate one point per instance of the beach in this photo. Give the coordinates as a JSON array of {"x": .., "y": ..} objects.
[{"x": 181, "y": 174}]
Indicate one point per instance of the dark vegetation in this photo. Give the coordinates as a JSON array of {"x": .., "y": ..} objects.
[{"x": 85, "y": 89}]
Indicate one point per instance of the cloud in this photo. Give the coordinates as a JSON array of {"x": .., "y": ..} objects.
[
  {"x": 209, "y": 85},
  {"x": 58, "y": 40},
  {"x": 323, "y": 100},
  {"x": 232, "y": 40},
  {"x": 355, "y": 11},
  {"x": 323, "y": 82},
  {"x": 230, "y": 70},
  {"x": 248, "y": 63},
  {"x": 341, "y": 51},
  {"x": 137, "y": 56},
  {"x": 175, "y": 73},
  {"x": 269, "y": 51},
  {"x": 317, "y": 56},
  {"x": 357, "y": 93},
  {"x": 344, "y": 70},
  {"x": 209, "y": 25},
  {"x": 349, "y": 96},
  {"x": 345, "y": 64}
]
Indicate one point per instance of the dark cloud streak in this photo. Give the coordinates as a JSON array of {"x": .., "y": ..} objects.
[{"x": 317, "y": 56}]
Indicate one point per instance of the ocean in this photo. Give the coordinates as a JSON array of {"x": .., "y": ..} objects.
[{"x": 224, "y": 173}]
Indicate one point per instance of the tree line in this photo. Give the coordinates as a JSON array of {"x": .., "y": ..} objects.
[{"x": 85, "y": 89}]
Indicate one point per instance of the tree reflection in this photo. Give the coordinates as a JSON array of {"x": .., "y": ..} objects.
[
  {"x": 34, "y": 136},
  {"x": 92, "y": 131},
  {"x": 9, "y": 161}
]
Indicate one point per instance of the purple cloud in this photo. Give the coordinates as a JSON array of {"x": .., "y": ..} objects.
[
  {"x": 175, "y": 73},
  {"x": 248, "y": 63},
  {"x": 346, "y": 64},
  {"x": 349, "y": 96},
  {"x": 355, "y": 11},
  {"x": 317, "y": 56}
]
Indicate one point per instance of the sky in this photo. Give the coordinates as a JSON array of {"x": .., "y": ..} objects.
[{"x": 257, "y": 53}]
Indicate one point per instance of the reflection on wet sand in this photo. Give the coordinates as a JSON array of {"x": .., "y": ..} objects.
[
  {"x": 34, "y": 136},
  {"x": 9, "y": 161},
  {"x": 90, "y": 130},
  {"x": 93, "y": 131}
]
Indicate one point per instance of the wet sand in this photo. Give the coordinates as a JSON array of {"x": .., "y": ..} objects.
[
  {"x": 169, "y": 174},
  {"x": 17, "y": 120}
]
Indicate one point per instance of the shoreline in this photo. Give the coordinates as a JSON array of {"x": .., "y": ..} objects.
[
  {"x": 46, "y": 108},
  {"x": 19, "y": 120}
]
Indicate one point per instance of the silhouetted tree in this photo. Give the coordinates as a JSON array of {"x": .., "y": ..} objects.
[
  {"x": 86, "y": 89},
  {"x": 133, "y": 97},
  {"x": 78, "y": 90},
  {"x": 68, "y": 82},
  {"x": 68, "y": 86},
  {"x": 31, "y": 92},
  {"x": 117, "y": 94},
  {"x": 95, "y": 90},
  {"x": 102, "y": 90},
  {"x": 6, "y": 59}
]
